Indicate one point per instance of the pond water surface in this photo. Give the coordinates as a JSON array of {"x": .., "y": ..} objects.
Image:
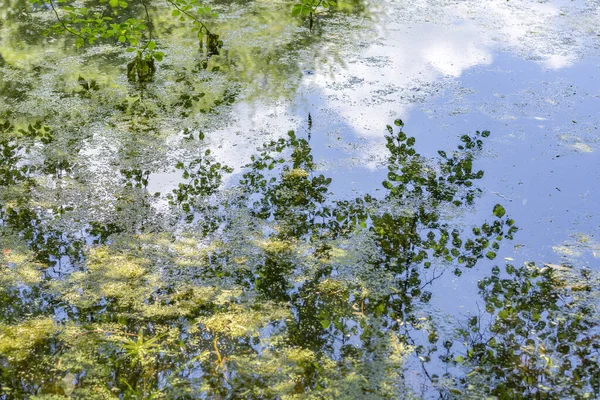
[{"x": 324, "y": 213}]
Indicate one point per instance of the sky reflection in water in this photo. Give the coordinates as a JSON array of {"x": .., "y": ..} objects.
[{"x": 526, "y": 72}]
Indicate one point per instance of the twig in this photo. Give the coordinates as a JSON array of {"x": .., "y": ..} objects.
[
  {"x": 433, "y": 278},
  {"x": 148, "y": 20},
  {"x": 61, "y": 22},
  {"x": 188, "y": 14}
]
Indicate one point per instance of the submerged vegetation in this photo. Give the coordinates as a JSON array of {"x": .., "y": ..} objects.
[
  {"x": 256, "y": 282},
  {"x": 274, "y": 290}
]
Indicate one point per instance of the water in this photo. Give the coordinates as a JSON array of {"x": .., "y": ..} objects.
[{"x": 151, "y": 255}]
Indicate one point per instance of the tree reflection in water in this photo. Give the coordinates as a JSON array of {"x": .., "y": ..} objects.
[{"x": 273, "y": 288}]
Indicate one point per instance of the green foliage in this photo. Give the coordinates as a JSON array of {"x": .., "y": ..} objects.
[
  {"x": 109, "y": 22},
  {"x": 265, "y": 288},
  {"x": 271, "y": 288},
  {"x": 193, "y": 10},
  {"x": 89, "y": 25},
  {"x": 539, "y": 342},
  {"x": 203, "y": 177}
]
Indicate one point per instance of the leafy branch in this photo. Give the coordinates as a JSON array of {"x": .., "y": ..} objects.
[
  {"x": 181, "y": 7},
  {"x": 61, "y": 22},
  {"x": 137, "y": 34}
]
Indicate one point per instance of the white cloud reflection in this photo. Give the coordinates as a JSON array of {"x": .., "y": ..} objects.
[
  {"x": 419, "y": 49},
  {"x": 423, "y": 45}
]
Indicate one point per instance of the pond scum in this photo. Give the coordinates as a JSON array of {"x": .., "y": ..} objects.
[{"x": 265, "y": 288}]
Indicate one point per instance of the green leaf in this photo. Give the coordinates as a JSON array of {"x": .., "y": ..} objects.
[
  {"x": 296, "y": 10},
  {"x": 499, "y": 211},
  {"x": 151, "y": 45},
  {"x": 325, "y": 323},
  {"x": 114, "y": 3},
  {"x": 158, "y": 55},
  {"x": 122, "y": 38},
  {"x": 175, "y": 13}
]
